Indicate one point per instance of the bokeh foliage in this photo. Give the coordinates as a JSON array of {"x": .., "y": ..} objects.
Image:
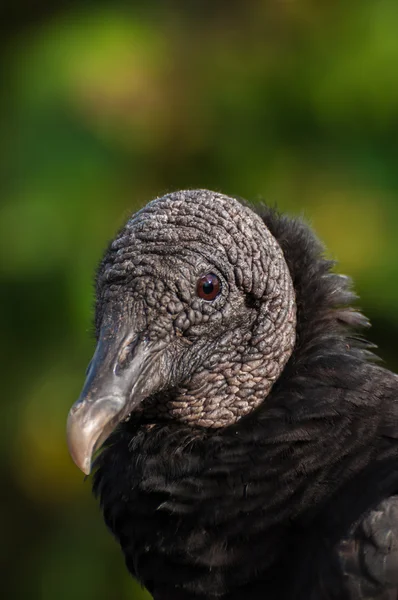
[{"x": 106, "y": 105}]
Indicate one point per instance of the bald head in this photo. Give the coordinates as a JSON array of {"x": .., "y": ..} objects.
[{"x": 199, "y": 279}]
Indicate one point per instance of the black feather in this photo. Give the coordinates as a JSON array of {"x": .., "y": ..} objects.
[{"x": 257, "y": 509}]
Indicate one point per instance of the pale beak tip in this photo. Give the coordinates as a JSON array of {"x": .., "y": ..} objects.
[
  {"x": 82, "y": 462},
  {"x": 83, "y": 465},
  {"x": 89, "y": 424},
  {"x": 86, "y": 467},
  {"x": 79, "y": 449}
]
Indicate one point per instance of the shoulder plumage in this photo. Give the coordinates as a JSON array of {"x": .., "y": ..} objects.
[{"x": 324, "y": 298}]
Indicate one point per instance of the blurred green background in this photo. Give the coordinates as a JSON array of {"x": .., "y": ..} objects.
[{"x": 103, "y": 106}]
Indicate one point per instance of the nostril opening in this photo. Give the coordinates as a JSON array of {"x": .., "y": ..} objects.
[
  {"x": 252, "y": 301},
  {"x": 126, "y": 354}
]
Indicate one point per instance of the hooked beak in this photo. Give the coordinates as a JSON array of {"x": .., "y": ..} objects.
[{"x": 122, "y": 373}]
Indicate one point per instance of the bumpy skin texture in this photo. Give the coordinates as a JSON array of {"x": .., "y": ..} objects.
[
  {"x": 153, "y": 266},
  {"x": 272, "y": 493}
]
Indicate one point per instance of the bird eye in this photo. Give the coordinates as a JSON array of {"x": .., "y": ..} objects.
[{"x": 208, "y": 287}]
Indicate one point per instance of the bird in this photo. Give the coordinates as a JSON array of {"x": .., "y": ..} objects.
[{"x": 242, "y": 433}]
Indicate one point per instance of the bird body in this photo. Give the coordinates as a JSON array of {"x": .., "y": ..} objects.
[{"x": 256, "y": 452}]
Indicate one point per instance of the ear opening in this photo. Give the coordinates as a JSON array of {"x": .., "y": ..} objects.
[{"x": 252, "y": 301}]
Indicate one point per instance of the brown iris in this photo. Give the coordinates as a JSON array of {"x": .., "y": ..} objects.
[{"x": 208, "y": 286}]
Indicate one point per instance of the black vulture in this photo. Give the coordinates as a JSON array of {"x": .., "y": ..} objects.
[{"x": 251, "y": 436}]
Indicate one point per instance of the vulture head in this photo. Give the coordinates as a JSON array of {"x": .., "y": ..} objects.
[
  {"x": 238, "y": 410},
  {"x": 195, "y": 320}
]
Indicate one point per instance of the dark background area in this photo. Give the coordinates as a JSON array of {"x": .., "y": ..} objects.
[{"x": 105, "y": 105}]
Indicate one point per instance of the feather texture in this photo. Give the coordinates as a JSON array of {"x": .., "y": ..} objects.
[{"x": 258, "y": 509}]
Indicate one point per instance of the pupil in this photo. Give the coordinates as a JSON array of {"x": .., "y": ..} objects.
[{"x": 208, "y": 287}]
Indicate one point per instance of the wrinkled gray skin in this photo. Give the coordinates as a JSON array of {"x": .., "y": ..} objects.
[{"x": 214, "y": 361}]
